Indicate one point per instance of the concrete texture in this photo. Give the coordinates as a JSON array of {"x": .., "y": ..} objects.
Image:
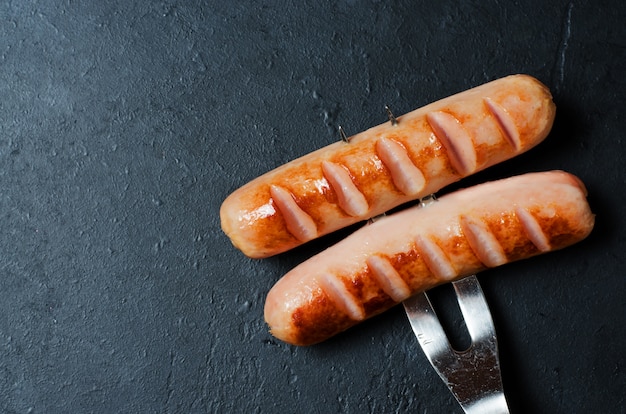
[{"x": 123, "y": 126}]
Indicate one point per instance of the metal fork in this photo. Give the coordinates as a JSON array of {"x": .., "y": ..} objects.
[{"x": 473, "y": 376}]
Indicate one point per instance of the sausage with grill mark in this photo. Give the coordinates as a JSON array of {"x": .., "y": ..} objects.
[
  {"x": 388, "y": 165},
  {"x": 402, "y": 254}
]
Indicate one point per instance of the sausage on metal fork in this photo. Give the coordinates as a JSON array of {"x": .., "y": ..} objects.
[{"x": 416, "y": 249}]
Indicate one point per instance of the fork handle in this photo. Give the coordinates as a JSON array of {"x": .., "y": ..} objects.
[{"x": 493, "y": 404}]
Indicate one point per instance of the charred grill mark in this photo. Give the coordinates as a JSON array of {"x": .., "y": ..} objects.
[
  {"x": 339, "y": 294},
  {"x": 388, "y": 278},
  {"x": 455, "y": 139},
  {"x": 349, "y": 197},
  {"x": 483, "y": 242},
  {"x": 435, "y": 258},
  {"x": 509, "y": 231},
  {"x": 404, "y": 173},
  {"x": 297, "y": 221},
  {"x": 561, "y": 232},
  {"x": 505, "y": 122},
  {"x": 533, "y": 230}
]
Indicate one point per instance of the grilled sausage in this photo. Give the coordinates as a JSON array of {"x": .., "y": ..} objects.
[
  {"x": 387, "y": 165},
  {"x": 414, "y": 250}
]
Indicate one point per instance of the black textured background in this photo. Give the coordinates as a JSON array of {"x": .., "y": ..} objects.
[{"x": 123, "y": 126}]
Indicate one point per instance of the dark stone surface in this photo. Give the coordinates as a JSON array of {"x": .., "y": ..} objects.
[{"x": 123, "y": 126}]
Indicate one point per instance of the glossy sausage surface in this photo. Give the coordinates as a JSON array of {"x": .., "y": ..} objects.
[
  {"x": 387, "y": 165},
  {"x": 402, "y": 254}
]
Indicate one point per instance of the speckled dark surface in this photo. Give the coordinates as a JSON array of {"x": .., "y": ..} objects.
[{"x": 123, "y": 127}]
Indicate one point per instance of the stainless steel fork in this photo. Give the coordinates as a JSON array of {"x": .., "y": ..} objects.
[{"x": 473, "y": 375}]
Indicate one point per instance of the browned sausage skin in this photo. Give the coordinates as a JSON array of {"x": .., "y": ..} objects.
[
  {"x": 387, "y": 165},
  {"x": 402, "y": 254}
]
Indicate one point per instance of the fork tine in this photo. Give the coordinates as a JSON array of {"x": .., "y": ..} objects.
[
  {"x": 472, "y": 303},
  {"x": 426, "y": 326}
]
